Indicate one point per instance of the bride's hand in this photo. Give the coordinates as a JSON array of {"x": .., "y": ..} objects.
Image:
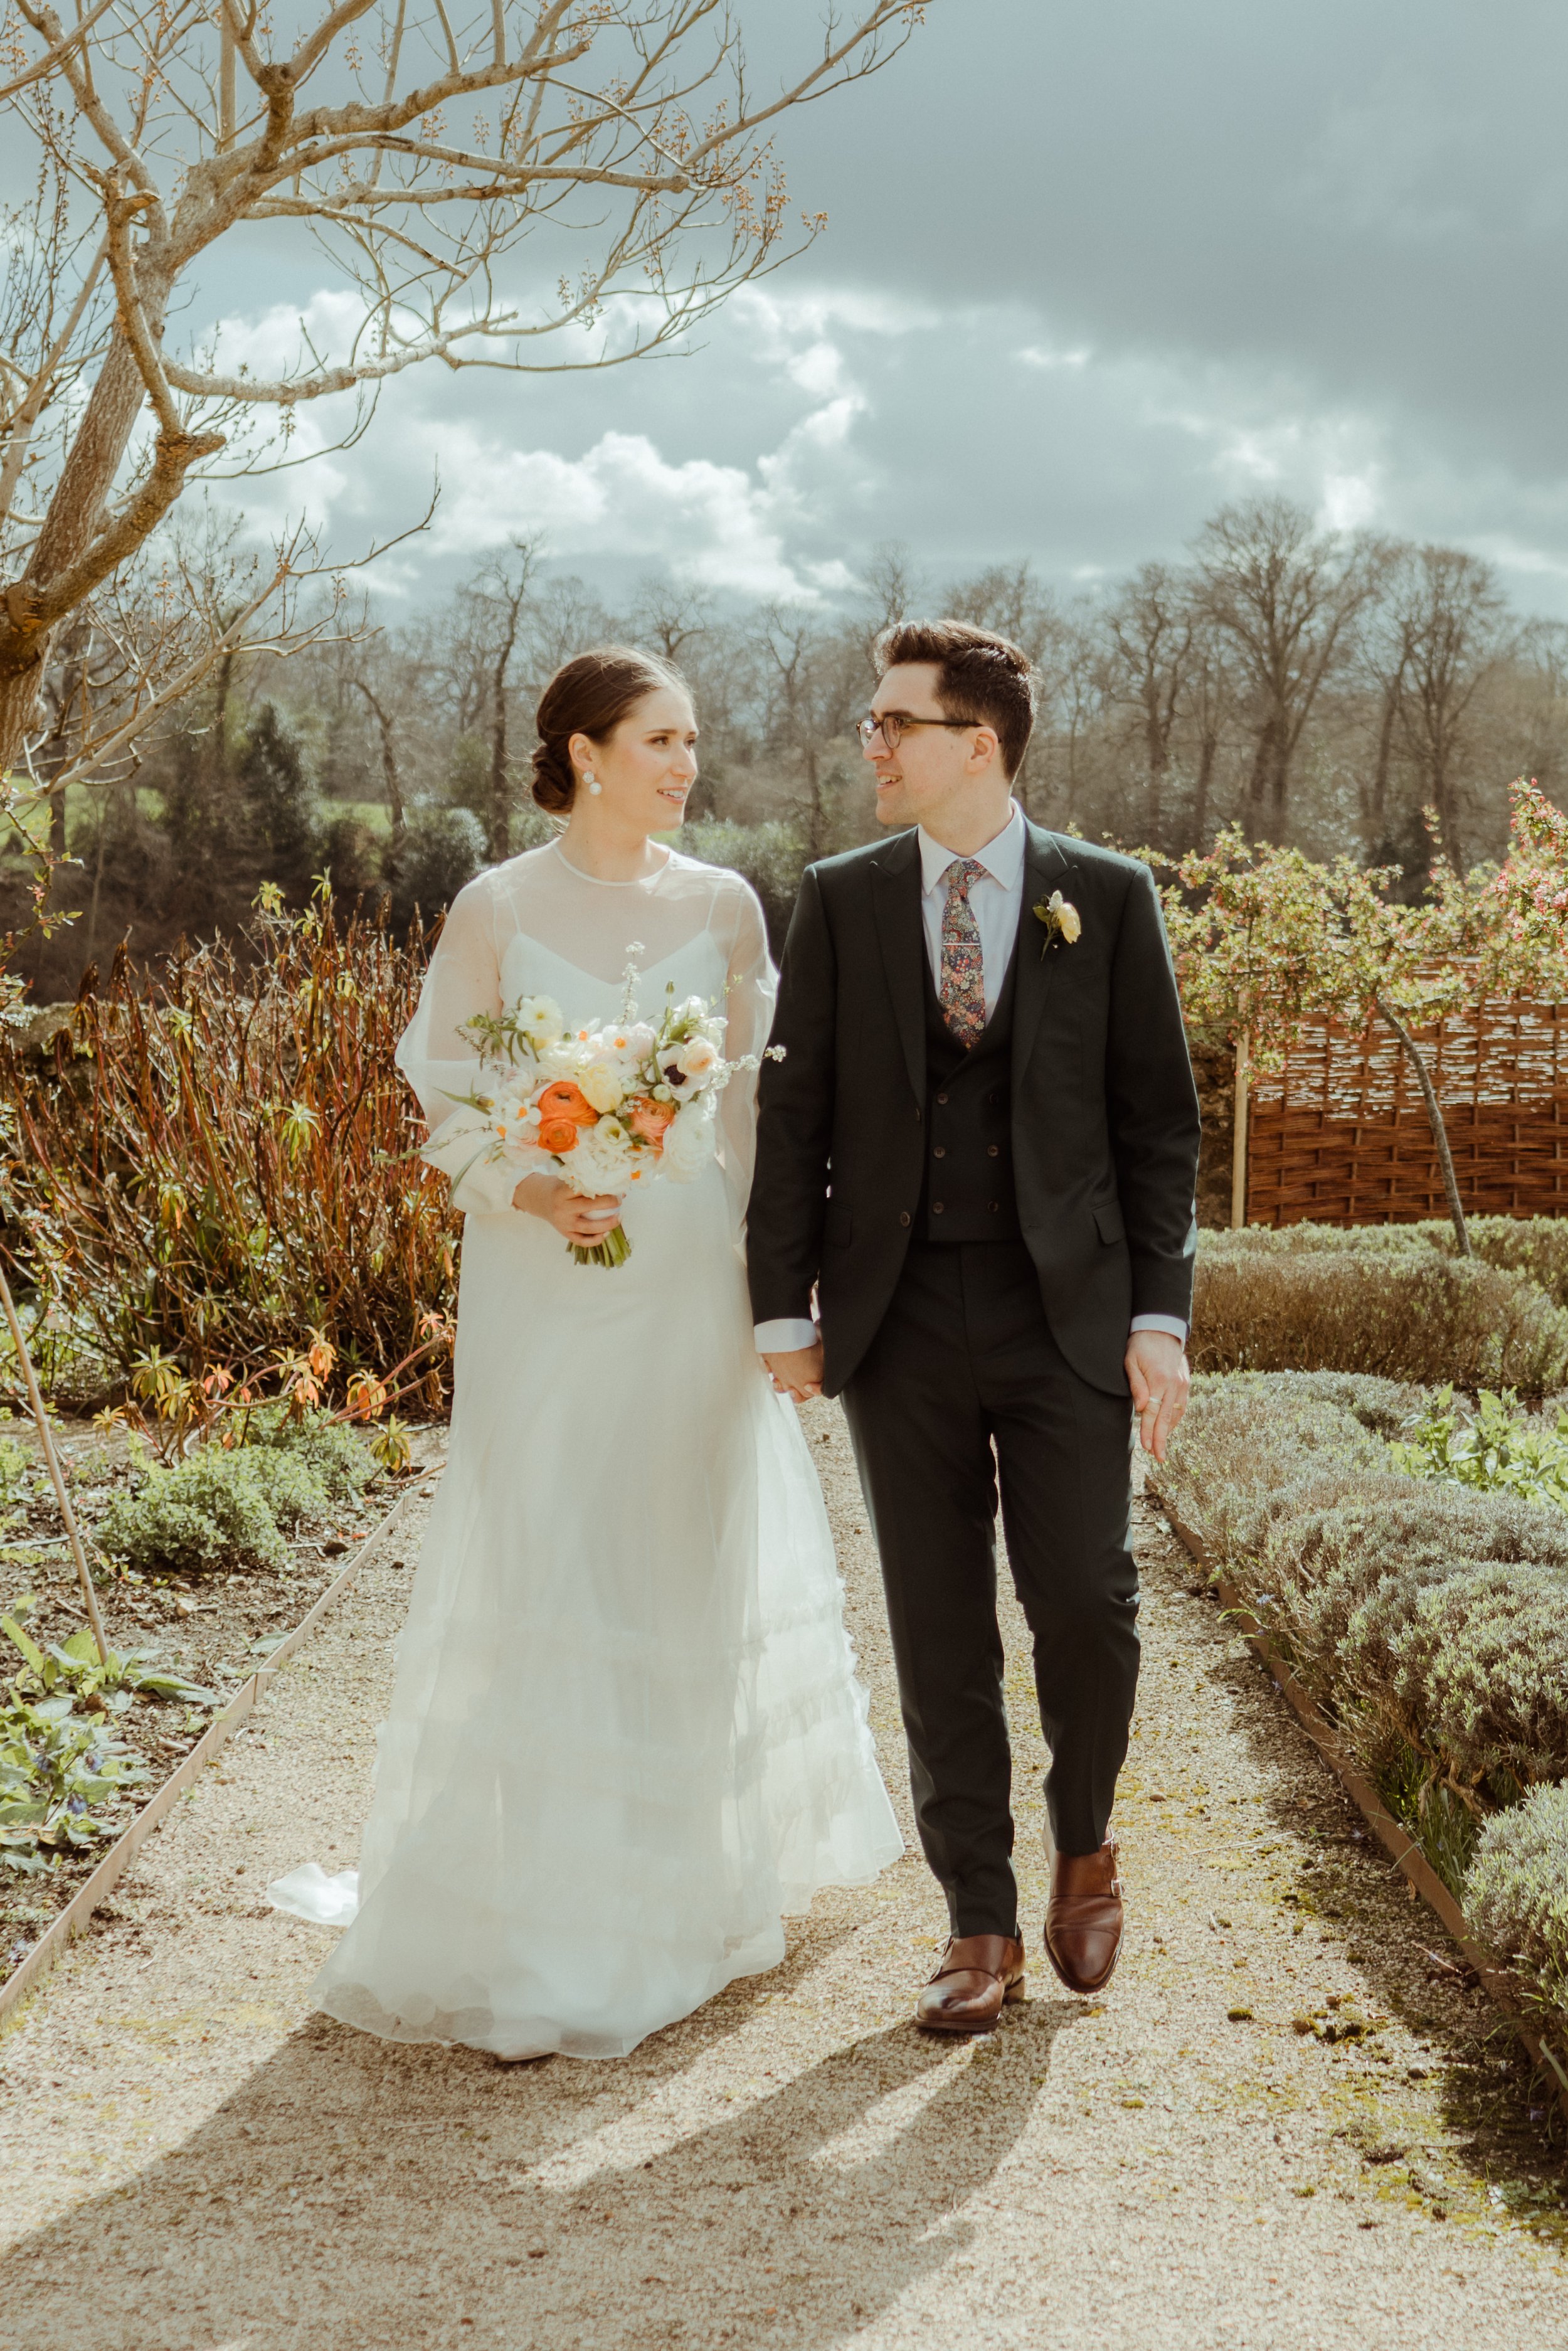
[{"x": 582, "y": 1221}]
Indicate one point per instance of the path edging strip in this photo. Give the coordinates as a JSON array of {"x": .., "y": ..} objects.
[
  {"x": 1503, "y": 1986},
  {"x": 113, "y": 1867}
]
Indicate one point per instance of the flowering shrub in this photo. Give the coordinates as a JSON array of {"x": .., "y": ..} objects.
[{"x": 215, "y": 1175}]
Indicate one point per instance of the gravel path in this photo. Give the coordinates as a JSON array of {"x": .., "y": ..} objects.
[{"x": 197, "y": 2164}]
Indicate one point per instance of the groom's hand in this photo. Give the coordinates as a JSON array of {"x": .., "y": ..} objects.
[
  {"x": 1157, "y": 1375},
  {"x": 797, "y": 1373}
]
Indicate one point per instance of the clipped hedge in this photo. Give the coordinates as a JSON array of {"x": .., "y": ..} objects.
[
  {"x": 1393, "y": 1306},
  {"x": 1517, "y": 1891},
  {"x": 1426, "y": 1616},
  {"x": 1536, "y": 1246}
]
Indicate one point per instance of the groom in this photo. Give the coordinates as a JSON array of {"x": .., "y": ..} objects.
[{"x": 981, "y": 1150}]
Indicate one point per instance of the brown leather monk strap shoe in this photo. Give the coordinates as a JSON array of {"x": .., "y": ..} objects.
[
  {"x": 978, "y": 1975},
  {"x": 1083, "y": 1922}
]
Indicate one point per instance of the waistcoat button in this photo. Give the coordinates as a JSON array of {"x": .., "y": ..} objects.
[
  {"x": 993, "y": 1150},
  {"x": 940, "y": 1151},
  {"x": 938, "y": 1206},
  {"x": 995, "y": 1207},
  {"x": 941, "y": 1097},
  {"x": 903, "y": 1215}
]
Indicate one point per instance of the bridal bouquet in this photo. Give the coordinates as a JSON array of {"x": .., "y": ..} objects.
[{"x": 605, "y": 1107}]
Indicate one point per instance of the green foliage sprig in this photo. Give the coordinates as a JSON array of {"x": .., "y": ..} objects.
[
  {"x": 1496, "y": 1449},
  {"x": 62, "y": 1763}
]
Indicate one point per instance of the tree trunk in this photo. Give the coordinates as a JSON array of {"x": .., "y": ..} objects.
[
  {"x": 498, "y": 843},
  {"x": 1238, "y": 1131},
  {"x": 1435, "y": 1120},
  {"x": 1158, "y": 752},
  {"x": 1375, "y": 805},
  {"x": 1265, "y": 784},
  {"x": 69, "y": 527},
  {"x": 1208, "y": 744},
  {"x": 390, "y": 775}
]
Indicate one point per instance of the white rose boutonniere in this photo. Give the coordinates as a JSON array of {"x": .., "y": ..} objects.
[{"x": 1061, "y": 919}]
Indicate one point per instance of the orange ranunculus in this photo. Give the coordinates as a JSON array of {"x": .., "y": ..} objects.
[
  {"x": 649, "y": 1118},
  {"x": 558, "y": 1134},
  {"x": 565, "y": 1100}
]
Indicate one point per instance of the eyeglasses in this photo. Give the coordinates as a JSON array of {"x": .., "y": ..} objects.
[{"x": 893, "y": 723}]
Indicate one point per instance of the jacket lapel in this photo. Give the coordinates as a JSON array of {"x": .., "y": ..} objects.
[
  {"x": 1047, "y": 867},
  {"x": 895, "y": 898}
]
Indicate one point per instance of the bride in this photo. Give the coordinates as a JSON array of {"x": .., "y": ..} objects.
[{"x": 625, "y": 1737}]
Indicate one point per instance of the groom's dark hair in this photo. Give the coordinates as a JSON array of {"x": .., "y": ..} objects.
[{"x": 981, "y": 678}]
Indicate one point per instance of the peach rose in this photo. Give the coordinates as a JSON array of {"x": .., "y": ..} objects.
[
  {"x": 565, "y": 1100},
  {"x": 649, "y": 1118},
  {"x": 557, "y": 1134}
]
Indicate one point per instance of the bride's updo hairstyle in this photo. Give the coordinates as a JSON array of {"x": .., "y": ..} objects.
[{"x": 591, "y": 695}]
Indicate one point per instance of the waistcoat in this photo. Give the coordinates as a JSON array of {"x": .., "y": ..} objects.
[{"x": 968, "y": 1194}]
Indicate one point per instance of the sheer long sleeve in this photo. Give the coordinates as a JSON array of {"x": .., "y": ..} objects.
[
  {"x": 439, "y": 1062},
  {"x": 752, "y": 986}
]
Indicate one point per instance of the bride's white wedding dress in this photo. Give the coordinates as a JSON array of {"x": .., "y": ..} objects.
[{"x": 626, "y": 1736}]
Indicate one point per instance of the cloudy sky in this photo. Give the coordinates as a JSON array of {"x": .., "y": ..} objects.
[{"x": 1090, "y": 271}]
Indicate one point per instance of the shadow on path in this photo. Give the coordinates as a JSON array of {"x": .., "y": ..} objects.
[{"x": 356, "y": 2192}]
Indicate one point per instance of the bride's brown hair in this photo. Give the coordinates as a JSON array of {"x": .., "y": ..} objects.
[{"x": 591, "y": 695}]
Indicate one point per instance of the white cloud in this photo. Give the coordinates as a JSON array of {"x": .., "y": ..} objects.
[
  {"x": 1036, "y": 355},
  {"x": 711, "y": 522}
]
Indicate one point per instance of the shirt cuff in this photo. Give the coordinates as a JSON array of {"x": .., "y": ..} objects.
[
  {"x": 1168, "y": 1323},
  {"x": 786, "y": 1337}
]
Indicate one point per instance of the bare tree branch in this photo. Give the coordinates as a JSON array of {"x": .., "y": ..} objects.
[{"x": 135, "y": 110}]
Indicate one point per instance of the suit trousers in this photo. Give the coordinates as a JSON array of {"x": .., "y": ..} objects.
[{"x": 964, "y": 1391}]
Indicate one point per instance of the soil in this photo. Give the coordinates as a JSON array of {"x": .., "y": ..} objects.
[
  {"x": 215, "y": 1628},
  {"x": 1291, "y": 2121}
]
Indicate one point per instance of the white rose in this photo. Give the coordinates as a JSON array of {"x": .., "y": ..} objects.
[
  {"x": 689, "y": 1141},
  {"x": 603, "y": 1081},
  {"x": 698, "y": 1059}
]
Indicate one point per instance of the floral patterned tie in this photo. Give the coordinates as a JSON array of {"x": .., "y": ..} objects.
[{"x": 963, "y": 987}]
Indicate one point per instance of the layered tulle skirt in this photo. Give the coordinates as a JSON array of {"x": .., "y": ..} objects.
[{"x": 626, "y": 1738}]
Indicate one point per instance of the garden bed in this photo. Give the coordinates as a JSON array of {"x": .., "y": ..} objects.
[
  {"x": 1407, "y": 1564},
  {"x": 210, "y": 1631}
]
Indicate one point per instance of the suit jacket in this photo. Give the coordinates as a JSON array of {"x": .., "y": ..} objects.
[{"x": 1104, "y": 1110}]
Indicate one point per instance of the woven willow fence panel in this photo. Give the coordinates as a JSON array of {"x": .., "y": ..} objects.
[{"x": 1340, "y": 1135}]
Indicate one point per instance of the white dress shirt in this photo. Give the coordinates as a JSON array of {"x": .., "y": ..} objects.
[{"x": 996, "y": 901}]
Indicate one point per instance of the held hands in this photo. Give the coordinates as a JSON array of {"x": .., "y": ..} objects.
[
  {"x": 1157, "y": 1375},
  {"x": 582, "y": 1221},
  {"x": 797, "y": 1373}
]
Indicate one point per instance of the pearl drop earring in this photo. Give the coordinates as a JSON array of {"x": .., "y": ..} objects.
[{"x": 591, "y": 781}]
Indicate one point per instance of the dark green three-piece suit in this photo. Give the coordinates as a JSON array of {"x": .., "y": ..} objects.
[{"x": 980, "y": 1227}]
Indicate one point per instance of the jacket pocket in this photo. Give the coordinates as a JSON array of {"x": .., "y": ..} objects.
[
  {"x": 839, "y": 1231},
  {"x": 1109, "y": 1224}
]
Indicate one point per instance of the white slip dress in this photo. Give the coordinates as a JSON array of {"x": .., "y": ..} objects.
[{"x": 626, "y": 1736}]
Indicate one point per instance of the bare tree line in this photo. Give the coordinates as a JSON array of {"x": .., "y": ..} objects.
[
  {"x": 1315, "y": 688},
  {"x": 1321, "y": 691}
]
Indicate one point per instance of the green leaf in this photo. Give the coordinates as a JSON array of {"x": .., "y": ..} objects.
[{"x": 19, "y": 1639}]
